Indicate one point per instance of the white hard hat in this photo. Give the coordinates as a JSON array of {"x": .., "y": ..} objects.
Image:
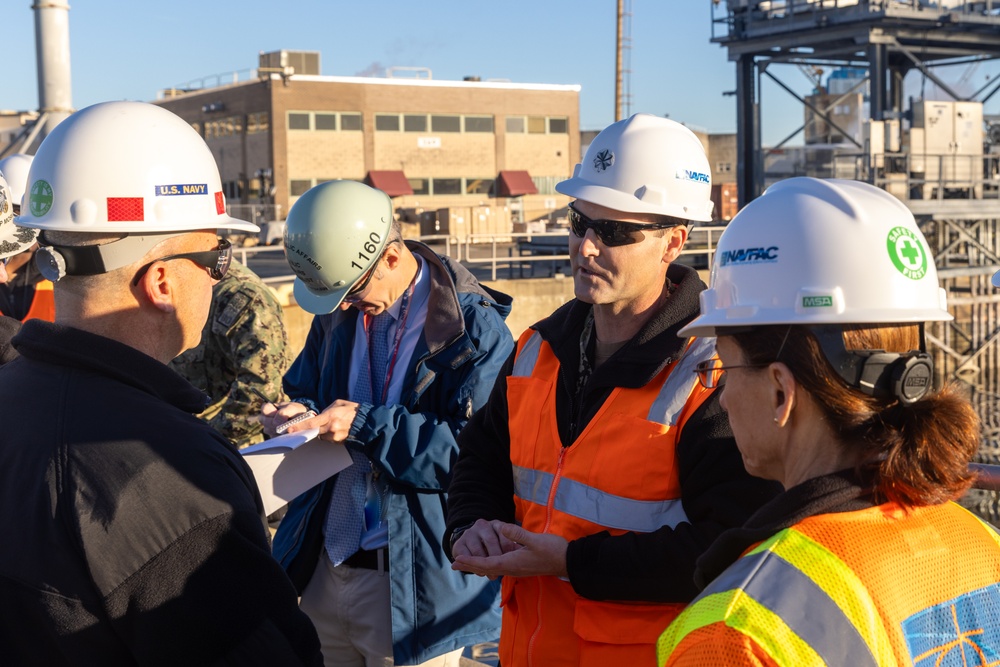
[
  {"x": 15, "y": 169},
  {"x": 13, "y": 238},
  {"x": 334, "y": 234},
  {"x": 645, "y": 164},
  {"x": 811, "y": 251},
  {"x": 125, "y": 167}
]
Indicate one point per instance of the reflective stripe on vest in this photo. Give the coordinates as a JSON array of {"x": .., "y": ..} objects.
[
  {"x": 527, "y": 356},
  {"x": 594, "y": 505},
  {"x": 776, "y": 596}
]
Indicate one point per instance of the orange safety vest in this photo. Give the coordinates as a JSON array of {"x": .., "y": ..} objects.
[
  {"x": 881, "y": 587},
  {"x": 619, "y": 475},
  {"x": 43, "y": 305}
]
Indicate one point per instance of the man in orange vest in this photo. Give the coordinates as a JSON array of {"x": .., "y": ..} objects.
[
  {"x": 14, "y": 240},
  {"x": 25, "y": 294},
  {"x": 600, "y": 469}
]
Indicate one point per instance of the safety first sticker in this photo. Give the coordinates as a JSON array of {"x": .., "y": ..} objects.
[{"x": 907, "y": 252}]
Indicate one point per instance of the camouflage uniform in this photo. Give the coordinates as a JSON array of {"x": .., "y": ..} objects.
[{"x": 244, "y": 344}]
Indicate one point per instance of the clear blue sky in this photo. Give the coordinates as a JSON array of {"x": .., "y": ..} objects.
[{"x": 124, "y": 49}]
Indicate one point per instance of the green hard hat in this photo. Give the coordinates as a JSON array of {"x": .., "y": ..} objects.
[{"x": 334, "y": 233}]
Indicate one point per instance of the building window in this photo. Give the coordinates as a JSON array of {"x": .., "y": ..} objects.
[
  {"x": 479, "y": 123},
  {"x": 515, "y": 124},
  {"x": 415, "y": 123},
  {"x": 446, "y": 186},
  {"x": 558, "y": 125},
  {"x": 420, "y": 186},
  {"x": 446, "y": 123},
  {"x": 724, "y": 167},
  {"x": 258, "y": 122},
  {"x": 386, "y": 123},
  {"x": 299, "y": 188},
  {"x": 536, "y": 124},
  {"x": 326, "y": 121},
  {"x": 298, "y": 120},
  {"x": 351, "y": 122},
  {"x": 478, "y": 186}
]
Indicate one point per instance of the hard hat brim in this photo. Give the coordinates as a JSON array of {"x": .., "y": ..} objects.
[
  {"x": 580, "y": 188},
  {"x": 718, "y": 322},
  {"x": 317, "y": 304},
  {"x": 15, "y": 239}
]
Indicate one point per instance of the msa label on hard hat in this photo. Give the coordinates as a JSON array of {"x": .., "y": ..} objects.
[
  {"x": 604, "y": 160},
  {"x": 817, "y": 302},
  {"x": 40, "y": 198},
  {"x": 691, "y": 175},
  {"x": 745, "y": 256},
  {"x": 907, "y": 252},
  {"x": 181, "y": 189}
]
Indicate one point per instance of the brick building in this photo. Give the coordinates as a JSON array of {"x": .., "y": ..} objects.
[{"x": 458, "y": 157}]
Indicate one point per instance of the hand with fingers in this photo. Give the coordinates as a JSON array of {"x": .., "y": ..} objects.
[{"x": 495, "y": 548}]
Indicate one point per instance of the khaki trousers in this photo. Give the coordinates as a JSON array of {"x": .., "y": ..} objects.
[{"x": 351, "y": 610}]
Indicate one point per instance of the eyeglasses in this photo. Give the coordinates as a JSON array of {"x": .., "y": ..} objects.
[
  {"x": 613, "y": 232},
  {"x": 356, "y": 292},
  {"x": 711, "y": 371},
  {"x": 216, "y": 261}
]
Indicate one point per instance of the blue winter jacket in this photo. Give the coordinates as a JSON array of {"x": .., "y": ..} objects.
[{"x": 464, "y": 345}]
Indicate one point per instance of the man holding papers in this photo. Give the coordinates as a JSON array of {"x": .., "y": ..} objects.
[{"x": 405, "y": 347}]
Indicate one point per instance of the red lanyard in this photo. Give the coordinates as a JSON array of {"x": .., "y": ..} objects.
[{"x": 404, "y": 311}]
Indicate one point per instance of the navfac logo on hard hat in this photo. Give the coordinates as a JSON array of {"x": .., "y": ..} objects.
[
  {"x": 604, "y": 160},
  {"x": 744, "y": 256},
  {"x": 692, "y": 175}
]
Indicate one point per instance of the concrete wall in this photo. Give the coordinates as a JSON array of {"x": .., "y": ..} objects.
[{"x": 534, "y": 299}]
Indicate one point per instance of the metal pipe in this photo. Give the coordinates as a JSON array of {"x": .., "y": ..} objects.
[{"x": 55, "y": 98}]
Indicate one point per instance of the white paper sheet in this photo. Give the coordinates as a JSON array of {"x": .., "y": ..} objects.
[{"x": 288, "y": 465}]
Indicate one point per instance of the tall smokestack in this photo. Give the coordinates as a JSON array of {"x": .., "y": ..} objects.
[{"x": 55, "y": 97}]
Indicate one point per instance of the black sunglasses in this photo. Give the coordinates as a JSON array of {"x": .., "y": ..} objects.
[
  {"x": 216, "y": 261},
  {"x": 613, "y": 232}
]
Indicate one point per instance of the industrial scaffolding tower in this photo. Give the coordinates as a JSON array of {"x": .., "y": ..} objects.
[{"x": 954, "y": 197}]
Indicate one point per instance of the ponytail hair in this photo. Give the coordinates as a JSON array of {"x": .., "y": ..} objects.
[{"x": 916, "y": 454}]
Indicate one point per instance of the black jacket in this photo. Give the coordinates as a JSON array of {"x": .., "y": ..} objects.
[
  {"x": 717, "y": 493},
  {"x": 8, "y": 327},
  {"x": 134, "y": 533}
]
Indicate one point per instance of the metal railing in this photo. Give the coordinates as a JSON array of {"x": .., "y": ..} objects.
[{"x": 514, "y": 251}]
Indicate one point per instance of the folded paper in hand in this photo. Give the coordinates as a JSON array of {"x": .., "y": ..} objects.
[{"x": 288, "y": 465}]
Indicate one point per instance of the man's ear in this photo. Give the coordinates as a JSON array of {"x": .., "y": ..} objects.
[
  {"x": 782, "y": 387},
  {"x": 675, "y": 237},
  {"x": 156, "y": 286},
  {"x": 392, "y": 256}
]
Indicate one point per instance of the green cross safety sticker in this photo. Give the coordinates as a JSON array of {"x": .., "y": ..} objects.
[
  {"x": 40, "y": 200},
  {"x": 907, "y": 252}
]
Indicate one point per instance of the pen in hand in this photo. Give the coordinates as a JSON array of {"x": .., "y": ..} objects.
[{"x": 260, "y": 395}]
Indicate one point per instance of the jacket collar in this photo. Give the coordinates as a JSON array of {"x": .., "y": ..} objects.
[{"x": 73, "y": 348}]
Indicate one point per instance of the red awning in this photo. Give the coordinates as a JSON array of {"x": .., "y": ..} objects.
[
  {"x": 515, "y": 184},
  {"x": 393, "y": 183}
]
